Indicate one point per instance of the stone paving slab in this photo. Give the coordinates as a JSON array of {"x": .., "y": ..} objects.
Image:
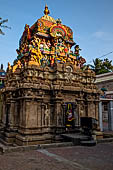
[{"x": 99, "y": 157}]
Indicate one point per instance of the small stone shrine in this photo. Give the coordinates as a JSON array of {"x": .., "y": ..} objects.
[{"x": 46, "y": 89}]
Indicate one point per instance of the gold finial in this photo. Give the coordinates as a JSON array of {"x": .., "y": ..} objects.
[{"x": 46, "y": 11}]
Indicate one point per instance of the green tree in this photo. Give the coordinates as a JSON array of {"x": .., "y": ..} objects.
[
  {"x": 3, "y": 26},
  {"x": 102, "y": 66}
]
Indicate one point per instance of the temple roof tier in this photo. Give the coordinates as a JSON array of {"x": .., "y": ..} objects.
[{"x": 46, "y": 42}]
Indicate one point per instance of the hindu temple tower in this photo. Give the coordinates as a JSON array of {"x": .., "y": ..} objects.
[{"x": 46, "y": 88}]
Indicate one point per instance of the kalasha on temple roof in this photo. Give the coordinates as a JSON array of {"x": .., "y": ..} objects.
[{"x": 47, "y": 41}]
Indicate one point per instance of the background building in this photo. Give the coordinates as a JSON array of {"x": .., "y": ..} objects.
[{"x": 105, "y": 84}]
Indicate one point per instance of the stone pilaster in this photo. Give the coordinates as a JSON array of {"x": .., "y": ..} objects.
[{"x": 12, "y": 114}]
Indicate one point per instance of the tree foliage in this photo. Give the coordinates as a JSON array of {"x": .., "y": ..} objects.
[
  {"x": 3, "y": 26},
  {"x": 102, "y": 66}
]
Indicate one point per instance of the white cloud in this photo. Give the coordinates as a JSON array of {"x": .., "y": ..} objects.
[
  {"x": 99, "y": 34},
  {"x": 103, "y": 35}
]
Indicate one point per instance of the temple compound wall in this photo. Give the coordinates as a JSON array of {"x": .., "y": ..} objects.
[{"x": 46, "y": 90}]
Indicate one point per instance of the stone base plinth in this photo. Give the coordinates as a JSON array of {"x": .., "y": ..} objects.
[
  {"x": 97, "y": 135},
  {"x": 33, "y": 139},
  {"x": 32, "y": 136}
]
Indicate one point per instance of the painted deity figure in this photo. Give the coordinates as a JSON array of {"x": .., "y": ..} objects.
[
  {"x": 81, "y": 61},
  {"x": 52, "y": 60},
  {"x": 69, "y": 115},
  {"x": 25, "y": 48},
  {"x": 28, "y": 32},
  {"x": 19, "y": 63},
  {"x": 26, "y": 35},
  {"x": 60, "y": 46},
  {"x": 77, "y": 49},
  {"x": 36, "y": 42},
  {"x": 48, "y": 45},
  {"x": 42, "y": 45},
  {"x": 69, "y": 48}
]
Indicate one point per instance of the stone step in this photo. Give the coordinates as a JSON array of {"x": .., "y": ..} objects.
[
  {"x": 88, "y": 143},
  {"x": 2, "y": 141},
  {"x": 105, "y": 140},
  {"x": 108, "y": 135},
  {"x": 76, "y": 138},
  {"x": 2, "y": 148}
]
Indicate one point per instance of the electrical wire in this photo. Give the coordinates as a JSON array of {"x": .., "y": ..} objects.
[{"x": 102, "y": 56}]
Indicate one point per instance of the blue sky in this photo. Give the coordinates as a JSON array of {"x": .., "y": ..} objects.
[{"x": 90, "y": 20}]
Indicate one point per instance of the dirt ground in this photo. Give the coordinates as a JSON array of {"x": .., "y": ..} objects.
[{"x": 99, "y": 157}]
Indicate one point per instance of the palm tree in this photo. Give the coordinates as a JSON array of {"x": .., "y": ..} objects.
[
  {"x": 97, "y": 65},
  {"x": 102, "y": 66},
  {"x": 3, "y": 26}
]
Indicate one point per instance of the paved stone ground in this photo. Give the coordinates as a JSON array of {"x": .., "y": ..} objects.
[{"x": 99, "y": 157}]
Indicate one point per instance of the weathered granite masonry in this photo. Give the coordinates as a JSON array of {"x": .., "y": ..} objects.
[{"x": 34, "y": 101}]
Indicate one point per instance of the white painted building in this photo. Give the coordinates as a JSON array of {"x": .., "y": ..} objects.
[{"x": 105, "y": 83}]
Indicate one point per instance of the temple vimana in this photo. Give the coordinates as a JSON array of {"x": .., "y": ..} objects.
[{"x": 47, "y": 90}]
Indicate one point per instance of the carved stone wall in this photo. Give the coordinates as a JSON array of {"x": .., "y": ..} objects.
[{"x": 34, "y": 101}]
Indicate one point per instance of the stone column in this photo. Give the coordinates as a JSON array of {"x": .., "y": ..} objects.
[
  {"x": 100, "y": 116},
  {"x": 89, "y": 108},
  {"x": 78, "y": 110},
  {"x": 58, "y": 116},
  {"x": 96, "y": 110},
  {"x": 58, "y": 110},
  {"x": 110, "y": 115},
  {"x": 7, "y": 114},
  {"x": 43, "y": 114},
  {"x": 52, "y": 115},
  {"x": 21, "y": 121},
  {"x": 12, "y": 114},
  {"x": 63, "y": 119},
  {"x": 3, "y": 116},
  {"x": 39, "y": 113}
]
